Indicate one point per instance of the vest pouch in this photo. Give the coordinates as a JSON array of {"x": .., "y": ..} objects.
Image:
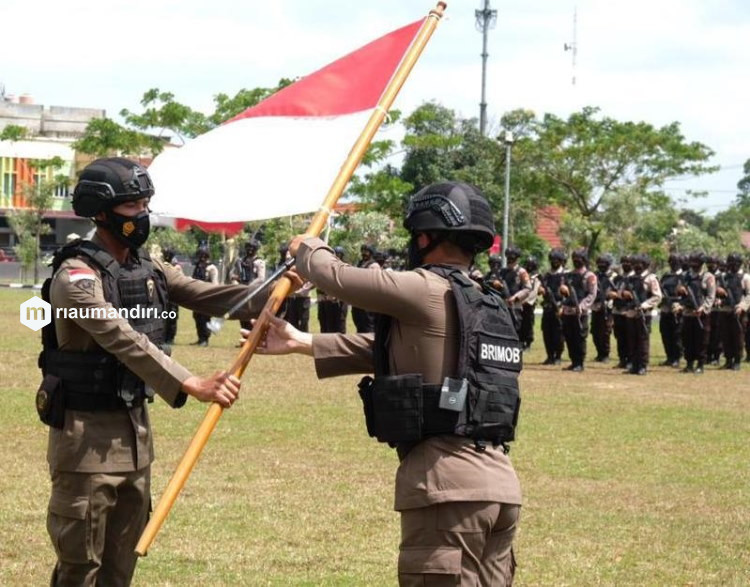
[
  {"x": 397, "y": 408},
  {"x": 365, "y": 393},
  {"x": 494, "y": 415},
  {"x": 50, "y": 402}
]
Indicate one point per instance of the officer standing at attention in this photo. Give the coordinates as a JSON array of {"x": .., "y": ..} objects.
[
  {"x": 670, "y": 319},
  {"x": 697, "y": 292},
  {"x": 250, "y": 270},
  {"x": 100, "y": 370},
  {"x": 517, "y": 283},
  {"x": 526, "y": 335},
  {"x": 332, "y": 312},
  {"x": 551, "y": 306},
  {"x": 364, "y": 321},
  {"x": 619, "y": 307},
  {"x": 456, "y": 489},
  {"x": 601, "y": 310},
  {"x": 494, "y": 278},
  {"x": 734, "y": 291},
  {"x": 173, "y": 310},
  {"x": 578, "y": 292},
  {"x": 713, "y": 354},
  {"x": 206, "y": 271},
  {"x": 644, "y": 295}
]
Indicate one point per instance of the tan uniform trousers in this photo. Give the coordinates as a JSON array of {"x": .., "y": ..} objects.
[
  {"x": 458, "y": 543},
  {"x": 94, "y": 521}
]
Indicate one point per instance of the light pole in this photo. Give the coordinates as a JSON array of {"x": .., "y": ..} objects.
[
  {"x": 486, "y": 19},
  {"x": 508, "y": 141}
]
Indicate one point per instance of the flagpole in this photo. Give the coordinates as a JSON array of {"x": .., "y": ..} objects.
[{"x": 281, "y": 290}]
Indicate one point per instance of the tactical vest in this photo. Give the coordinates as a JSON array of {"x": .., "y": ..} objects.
[
  {"x": 248, "y": 271},
  {"x": 512, "y": 281},
  {"x": 199, "y": 272},
  {"x": 694, "y": 284},
  {"x": 635, "y": 283},
  {"x": 669, "y": 283},
  {"x": 732, "y": 282},
  {"x": 480, "y": 402},
  {"x": 93, "y": 381},
  {"x": 577, "y": 283},
  {"x": 552, "y": 283},
  {"x": 604, "y": 285}
]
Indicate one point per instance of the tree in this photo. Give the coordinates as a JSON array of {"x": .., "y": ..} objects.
[
  {"x": 13, "y": 132},
  {"x": 104, "y": 137},
  {"x": 28, "y": 223},
  {"x": 588, "y": 159}
]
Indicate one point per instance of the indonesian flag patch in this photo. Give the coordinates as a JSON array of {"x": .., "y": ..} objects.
[{"x": 79, "y": 274}]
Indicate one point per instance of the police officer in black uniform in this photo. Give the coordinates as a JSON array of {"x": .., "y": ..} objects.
[
  {"x": 364, "y": 321},
  {"x": 578, "y": 293},
  {"x": 332, "y": 312},
  {"x": 517, "y": 285},
  {"x": 697, "y": 291},
  {"x": 526, "y": 334},
  {"x": 601, "y": 311},
  {"x": 713, "y": 354},
  {"x": 670, "y": 319},
  {"x": 733, "y": 289},
  {"x": 494, "y": 277},
  {"x": 552, "y": 335},
  {"x": 619, "y": 306}
]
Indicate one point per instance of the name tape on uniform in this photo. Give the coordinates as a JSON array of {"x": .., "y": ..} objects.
[{"x": 505, "y": 354}]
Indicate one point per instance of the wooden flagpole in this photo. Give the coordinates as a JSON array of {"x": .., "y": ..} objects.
[{"x": 281, "y": 290}]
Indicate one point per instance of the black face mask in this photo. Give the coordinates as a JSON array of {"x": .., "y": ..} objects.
[
  {"x": 132, "y": 231},
  {"x": 578, "y": 263}
]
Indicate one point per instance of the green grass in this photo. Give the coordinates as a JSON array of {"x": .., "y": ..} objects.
[{"x": 627, "y": 480}]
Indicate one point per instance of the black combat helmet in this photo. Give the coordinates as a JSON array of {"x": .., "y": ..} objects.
[
  {"x": 513, "y": 252},
  {"x": 558, "y": 254},
  {"x": 253, "y": 244},
  {"x": 106, "y": 183},
  {"x": 339, "y": 252},
  {"x": 734, "y": 260},
  {"x": 495, "y": 260},
  {"x": 452, "y": 207},
  {"x": 531, "y": 264},
  {"x": 605, "y": 259},
  {"x": 581, "y": 254}
]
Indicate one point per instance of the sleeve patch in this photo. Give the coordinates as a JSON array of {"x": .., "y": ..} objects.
[{"x": 79, "y": 274}]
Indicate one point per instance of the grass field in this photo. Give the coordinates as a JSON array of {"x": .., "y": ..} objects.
[{"x": 627, "y": 480}]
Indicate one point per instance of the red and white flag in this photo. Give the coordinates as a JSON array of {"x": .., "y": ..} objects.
[{"x": 281, "y": 156}]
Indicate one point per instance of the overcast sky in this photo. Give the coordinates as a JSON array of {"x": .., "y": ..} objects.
[{"x": 656, "y": 60}]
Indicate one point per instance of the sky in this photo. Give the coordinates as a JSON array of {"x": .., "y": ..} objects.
[{"x": 657, "y": 61}]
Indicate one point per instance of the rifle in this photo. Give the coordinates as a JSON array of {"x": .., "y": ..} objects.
[
  {"x": 694, "y": 303},
  {"x": 549, "y": 298},
  {"x": 573, "y": 297}
]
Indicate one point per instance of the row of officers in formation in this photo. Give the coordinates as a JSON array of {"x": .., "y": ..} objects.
[{"x": 702, "y": 303}]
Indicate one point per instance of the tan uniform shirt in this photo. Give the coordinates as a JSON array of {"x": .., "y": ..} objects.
[
  {"x": 423, "y": 339},
  {"x": 590, "y": 285},
  {"x": 523, "y": 293},
  {"x": 708, "y": 286},
  {"x": 120, "y": 441},
  {"x": 652, "y": 288}
]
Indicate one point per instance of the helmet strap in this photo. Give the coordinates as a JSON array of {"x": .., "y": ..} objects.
[{"x": 417, "y": 255}]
